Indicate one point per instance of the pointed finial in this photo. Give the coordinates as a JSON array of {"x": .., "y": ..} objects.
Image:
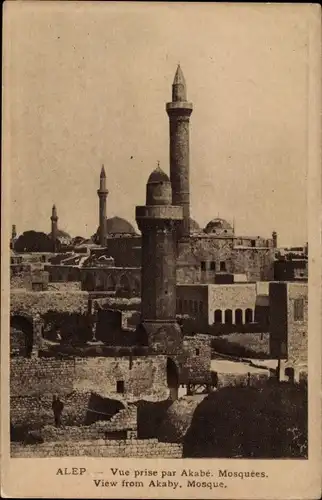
[
  {"x": 179, "y": 90},
  {"x": 103, "y": 171},
  {"x": 158, "y": 164},
  {"x": 178, "y": 77}
]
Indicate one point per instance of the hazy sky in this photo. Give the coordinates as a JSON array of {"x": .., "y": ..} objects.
[{"x": 88, "y": 85}]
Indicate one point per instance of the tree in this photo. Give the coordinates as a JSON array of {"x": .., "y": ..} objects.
[{"x": 33, "y": 241}]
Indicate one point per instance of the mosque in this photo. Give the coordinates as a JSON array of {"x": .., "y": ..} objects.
[
  {"x": 213, "y": 254},
  {"x": 209, "y": 255}
]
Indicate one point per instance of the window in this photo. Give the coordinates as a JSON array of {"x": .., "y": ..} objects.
[
  {"x": 200, "y": 307},
  {"x": 190, "y": 306},
  {"x": 253, "y": 243},
  {"x": 238, "y": 317},
  {"x": 120, "y": 386},
  {"x": 218, "y": 316},
  {"x": 203, "y": 266},
  {"x": 249, "y": 316},
  {"x": 185, "y": 306},
  {"x": 197, "y": 352},
  {"x": 298, "y": 310},
  {"x": 228, "y": 316},
  {"x": 223, "y": 266},
  {"x": 213, "y": 266}
]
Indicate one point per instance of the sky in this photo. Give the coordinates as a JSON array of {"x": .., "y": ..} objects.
[{"x": 87, "y": 85}]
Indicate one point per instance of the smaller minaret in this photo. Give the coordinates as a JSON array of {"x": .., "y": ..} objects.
[
  {"x": 102, "y": 194},
  {"x": 13, "y": 236},
  {"x": 158, "y": 220},
  {"x": 54, "y": 228},
  {"x": 274, "y": 238}
]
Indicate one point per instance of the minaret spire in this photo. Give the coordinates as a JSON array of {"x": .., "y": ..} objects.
[
  {"x": 179, "y": 111},
  {"x": 103, "y": 174},
  {"x": 102, "y": 195},
  {"x": 54, "y": 227},
  {"x": 179, "y": 88}
]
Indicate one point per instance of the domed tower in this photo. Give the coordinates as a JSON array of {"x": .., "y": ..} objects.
[
  {"x": 102, "y": 194},
  {"x": 179, "y": 111},
  {"x": 158, "y": 221},
  {"x": 54, "y": 227}
]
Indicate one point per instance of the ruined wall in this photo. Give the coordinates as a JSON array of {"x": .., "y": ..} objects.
[
  {"x": 65, "y": 286},
  {"x": 196, "y": 359},
  {"x": 33, "y": 382},
  {"x": 126, "y": 280},
  {"x": 40, "y": 302},
  {"x": 141, "y": 448},
  {"x": 62, "y": 273}
]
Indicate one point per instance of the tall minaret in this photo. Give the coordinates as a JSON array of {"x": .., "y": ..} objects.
[
  {"x": 179, "y": 111},
  {"x": 54, "y": 227},
  {"x": 158, "y": 221},
  {"x": 102, "y": 194}
]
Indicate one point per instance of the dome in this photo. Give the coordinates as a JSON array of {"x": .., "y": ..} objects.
[
  {"x": 62, "y": 234},
  {"x": 158, "y": 176},
  {"x": 158, "y": 188},
  {"x": 117, "y": 225},
  {"x": 218, "y": 226}
]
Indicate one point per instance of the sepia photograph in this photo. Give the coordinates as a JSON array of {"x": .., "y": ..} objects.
[{"x": 159, "y": 241}]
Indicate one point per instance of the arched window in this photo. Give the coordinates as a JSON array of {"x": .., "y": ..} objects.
[
  {"x": 185, "y": 306},
  {"x": 218, "y": 316},
  {"x": 228, "y": 316},
  {"x": 190, "y": 306},
  {"x": 249, "y": 316},
  {"x": 238, "y": 317},
  {"x": 109, "y": 284}
]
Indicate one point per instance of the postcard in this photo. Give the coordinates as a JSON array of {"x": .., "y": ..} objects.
[{"x": 161, "y": 250}]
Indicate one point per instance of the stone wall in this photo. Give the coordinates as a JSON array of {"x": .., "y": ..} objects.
[
  {"x": 140, "y": 448},
  {"x": 36, "y": 411},
  {"x": 289, "y": 333},
  {"x": 33, "y": 382},
  {"x": 63, "y": 273},
  {"x": 65, "y": 286},
  {"x": 197, "y": 359},
  {"x": 203, "y": 249},
  {"x": 122, "y": 280},
  {"x": 297, "y": 329},
  {"x": 31, "y": 303},
  {"x": 242, "y": 380},
  {"x": 237, "y": 296},
  {"x": 143, "y": 377},
  {"x": 257, "y": 263}
]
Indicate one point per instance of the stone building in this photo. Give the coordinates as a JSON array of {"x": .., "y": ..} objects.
[
  {"x": 225, "y": 304},
  {"x": 289, "y": 327}
]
